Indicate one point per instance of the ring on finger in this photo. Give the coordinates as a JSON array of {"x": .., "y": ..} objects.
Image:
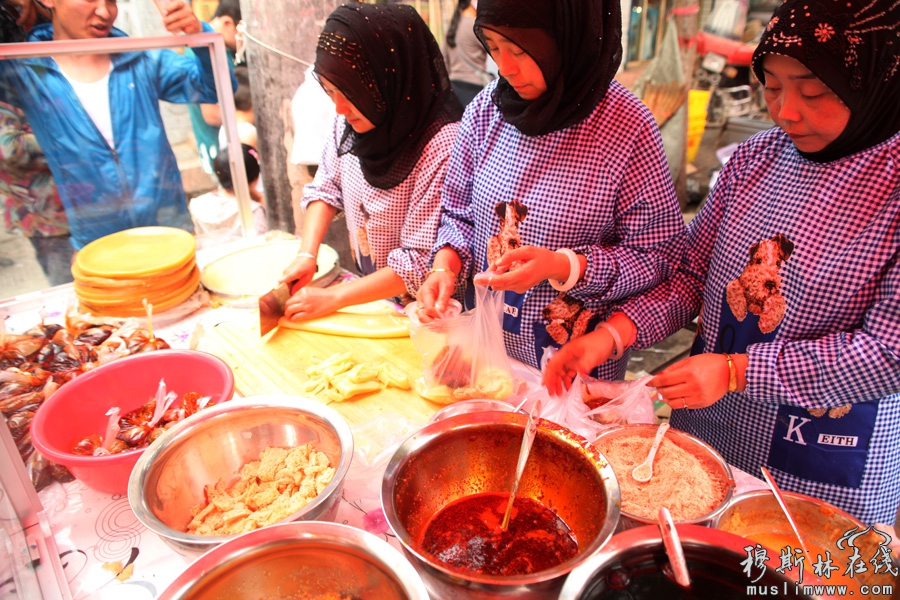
[{"x": 683, "y": 403}]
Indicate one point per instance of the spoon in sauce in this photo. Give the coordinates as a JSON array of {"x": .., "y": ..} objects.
[
  {"x": 644, "y": 471},
  {"x": 524, "y": 450}
]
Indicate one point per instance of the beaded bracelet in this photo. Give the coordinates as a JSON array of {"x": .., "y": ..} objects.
[{"x": 574, "y": 272}]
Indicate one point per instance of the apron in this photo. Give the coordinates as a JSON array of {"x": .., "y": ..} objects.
[{"x": 828, "y": 450}]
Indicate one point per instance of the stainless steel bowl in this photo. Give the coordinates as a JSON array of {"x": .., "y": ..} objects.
[
  {"x": 703, "y": 451},
  {"x": 300, "y": 560},
  {"x": 757, "y": 516},
  {"x": 213, "y": 444},
  {"x": 469, "y": 406},
  {"x": 634, "y": 564},
  {"x": 476, "y": 453}
]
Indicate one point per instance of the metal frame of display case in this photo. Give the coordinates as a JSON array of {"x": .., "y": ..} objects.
[
  {"x": 216, "y": 45},
  {"x": 26, "y": 540}
]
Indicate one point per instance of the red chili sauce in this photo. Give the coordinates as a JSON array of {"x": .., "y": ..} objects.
[{"x": 466, "y": 536}]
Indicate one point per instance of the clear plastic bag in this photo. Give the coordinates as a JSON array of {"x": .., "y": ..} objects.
[
  {"x": 628, "y": 401},
  {"x": 464, "y": 356}
]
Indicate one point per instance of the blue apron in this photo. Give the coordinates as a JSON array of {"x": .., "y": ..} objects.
[{"x": 822, "y": 449}]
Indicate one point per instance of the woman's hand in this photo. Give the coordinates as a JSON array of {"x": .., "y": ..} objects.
[
  {"x": 577, "y": 357},
  {"x": 521, "y": 269},
  {"x": 695, "y": 382},
  {"x": 310, "y": 303},
  {"x": 302, "y": 270},
  {"x": 434, "y": 295}
]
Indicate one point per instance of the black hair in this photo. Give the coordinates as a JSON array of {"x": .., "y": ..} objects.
[
  {"x": 454, "y": 22},
  {"x": 223, "y": 168},
  {"x": 229, "y": 8},
  {"x": 242, "y": 98}
]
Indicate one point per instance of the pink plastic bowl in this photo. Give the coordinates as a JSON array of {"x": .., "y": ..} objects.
[{"x": 78, "y": 408}]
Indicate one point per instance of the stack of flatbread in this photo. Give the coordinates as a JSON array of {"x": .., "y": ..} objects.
[{"x": 115, "y": 274}]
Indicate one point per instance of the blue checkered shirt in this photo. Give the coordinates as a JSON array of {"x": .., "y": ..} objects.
[
  {"x": 600, "y": 187},
  {"x": 401, "y": 223},
  {"x": 839, "y": 339}
]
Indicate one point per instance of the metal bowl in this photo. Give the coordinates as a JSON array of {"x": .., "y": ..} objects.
[
  {"x": 476, "y": 453},
  {"x": 703, "y": 451},
  {"x": 300, "y": 560},
  {"x": 757, "y": 516},
  {"x": 475, "y": 405},
  {"x": 169, "y": 478},
  {"x": 634, "y": 564}
]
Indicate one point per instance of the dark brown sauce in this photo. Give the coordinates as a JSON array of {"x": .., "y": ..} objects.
[{"x": 466, "y": 536}]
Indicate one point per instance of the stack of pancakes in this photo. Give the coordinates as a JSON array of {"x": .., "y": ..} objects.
[{"x": 115, "y": 274}]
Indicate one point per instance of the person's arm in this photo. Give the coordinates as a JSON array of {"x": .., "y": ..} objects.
[
  {"x": 313, "y": 302},
  {"x": 418, "y": 231},
  {"x": 212, "y": 114},
  {"x": 188, "y": 79},
  {"x": 316, "y": 219}
]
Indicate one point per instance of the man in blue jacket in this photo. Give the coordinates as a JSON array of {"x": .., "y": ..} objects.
[{"x": 97, "y": 117}]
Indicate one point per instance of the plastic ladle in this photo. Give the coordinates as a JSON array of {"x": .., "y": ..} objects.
[
  {"x": 644, "y": 471},
  {"x": 524, "y": 450}
]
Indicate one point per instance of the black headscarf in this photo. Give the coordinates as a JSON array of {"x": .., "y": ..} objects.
[
  {"x": 387, "y": 63},
  {"x": 853, "y": 47},
  {"x": 576, "y": 43}
]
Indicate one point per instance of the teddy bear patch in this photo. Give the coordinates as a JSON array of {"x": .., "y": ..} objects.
[
  {"x": 758, "y": 288},
  {"x": 511, "y": 214},
  {"x": 567, "y": 318}
]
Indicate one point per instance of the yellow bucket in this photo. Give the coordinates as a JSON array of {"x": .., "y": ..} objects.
[{"x": 697, "y": 102}]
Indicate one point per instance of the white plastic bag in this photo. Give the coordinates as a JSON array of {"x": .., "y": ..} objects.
[
  {"x": 464, "y": 356},
  {"x": 629, "y": 401}
]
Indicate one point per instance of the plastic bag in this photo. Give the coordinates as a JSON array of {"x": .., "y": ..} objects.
[
  {"x": 568, "y": 410},
  {"x": 628, "y": 401},
  {"x": 374, "y": 445},
  {"x": 464, "y": 356}
]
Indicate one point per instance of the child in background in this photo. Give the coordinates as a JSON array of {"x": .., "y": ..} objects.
[{"x": 216, "y": 215}]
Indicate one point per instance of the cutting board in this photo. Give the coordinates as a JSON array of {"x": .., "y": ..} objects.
[{"x": 277, "y": 363}]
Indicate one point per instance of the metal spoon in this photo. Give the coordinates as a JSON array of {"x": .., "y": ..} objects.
[
  {"x": 775, "y": 490},
  {"x": 674, "y": 549},
  {"x": 644, "y": 471},
  {"x": 527, "y": 440}
]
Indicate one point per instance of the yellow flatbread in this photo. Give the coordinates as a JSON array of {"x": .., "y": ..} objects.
[
  {"x": 138, "y": 252},
  {"x": 90, "y": 283},
  {"x": 255, "y": 270},
  {"x": 135, "y": 296},
  {"x": 137, "y": 310},
  {"x": 373, "y": 326}
]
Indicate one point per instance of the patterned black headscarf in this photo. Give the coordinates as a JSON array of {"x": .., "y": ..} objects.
[
  {"x": 387, "y": 63},
  {"x": 853, "y": 47},
  {"x": 576, "y": 43}
]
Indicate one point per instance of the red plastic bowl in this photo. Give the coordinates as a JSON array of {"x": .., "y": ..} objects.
[{"x": 78, "y": 408}]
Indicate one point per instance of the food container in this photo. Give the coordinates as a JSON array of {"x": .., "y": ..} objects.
[
  {"x": 710, "y": 460},
  {"x": 757, "y": 516},
  {"x": 476, "y": 453},
  {"x": 79, "y": 407},
  {"x": 305, "y": 559},
  {"x": 169, "y": 479},
  {"x": 634, "y": 564}
]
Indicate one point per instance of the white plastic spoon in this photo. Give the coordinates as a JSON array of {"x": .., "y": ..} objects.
[{"x": 644, "y": 471}]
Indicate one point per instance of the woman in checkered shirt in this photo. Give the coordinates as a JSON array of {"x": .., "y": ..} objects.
[
  {"x": 793, "y": 267},
  {"x": 557, "y": 167},
  {"x": 384, "y": 164}
]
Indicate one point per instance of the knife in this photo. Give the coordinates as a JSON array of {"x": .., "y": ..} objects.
[{"x": 271, "y": 306}]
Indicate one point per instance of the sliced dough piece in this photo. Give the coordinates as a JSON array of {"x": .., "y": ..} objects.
[
  {"x": 376, "y": 307},
  {"x": 138, "y": 252},
  {"x": 377, "y": 326}
]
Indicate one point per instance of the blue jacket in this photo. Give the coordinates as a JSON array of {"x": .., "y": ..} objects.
[{"x": 137, "y": 183}]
